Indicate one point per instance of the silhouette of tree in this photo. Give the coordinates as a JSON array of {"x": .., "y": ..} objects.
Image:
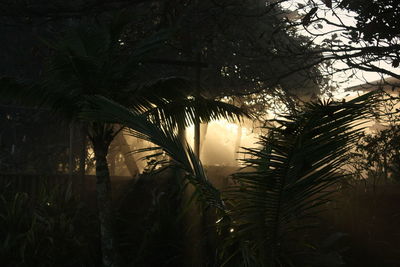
[{"x": 360, "y": 34}]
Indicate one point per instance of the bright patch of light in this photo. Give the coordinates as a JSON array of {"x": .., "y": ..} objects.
[{"x": 223, "y": 140}]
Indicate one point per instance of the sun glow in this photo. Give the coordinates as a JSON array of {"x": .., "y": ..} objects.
[{"x": 222, "y": 140}]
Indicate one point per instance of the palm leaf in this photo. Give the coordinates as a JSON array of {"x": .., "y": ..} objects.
[
  {"x": 140, "y": 126},
  {"x": 186, "y": 111},
  {"x": 174, "y": 104},
  {"x": 290, "y": 177}
]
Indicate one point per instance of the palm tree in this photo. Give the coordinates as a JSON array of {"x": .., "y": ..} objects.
[
  {"x": 89, "y": 62},
  {"x": 140, "y": 126},
  {"x": 288, "y": 179}
]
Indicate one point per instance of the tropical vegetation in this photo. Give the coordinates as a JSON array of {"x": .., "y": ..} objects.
[{"x": 150, "y": 70}]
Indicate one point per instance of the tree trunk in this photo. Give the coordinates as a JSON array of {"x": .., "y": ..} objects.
[
  {"x": 197, "y": 137},
  {"x": 203, "y": 134},
  {"x": 104, "y": 204}
]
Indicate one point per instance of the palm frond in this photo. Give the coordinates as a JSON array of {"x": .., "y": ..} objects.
[
  {"x": 186, "y": 111},
  {"x": 102, "y": 109},
  {"x": 291, "y": 176},
  {"x": 174, "y": 104}
]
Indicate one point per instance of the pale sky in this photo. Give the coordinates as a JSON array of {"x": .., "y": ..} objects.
[{"x": 361, "y": 77}]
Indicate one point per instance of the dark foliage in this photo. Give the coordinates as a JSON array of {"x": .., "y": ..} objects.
[
  {"x": 52, "y": 229},
  {"x": 150, "y": 221},
  {"x": 375, "y": 19}
]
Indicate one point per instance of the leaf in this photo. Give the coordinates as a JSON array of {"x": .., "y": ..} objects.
[
  {"x": 105, "y": 110},
  {"x": 307, "y": 18},
  {"x": 395, "y": 63},
  {"x": 291, "y": 176},
  {"x": 328, "y": 3}
]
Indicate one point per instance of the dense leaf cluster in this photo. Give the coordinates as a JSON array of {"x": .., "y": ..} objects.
[{"x": 375, "y": 19}]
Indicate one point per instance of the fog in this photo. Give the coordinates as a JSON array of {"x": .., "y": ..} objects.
[
  {"x": 221, "y": 145},
  {"x": 222, "y": 142}
]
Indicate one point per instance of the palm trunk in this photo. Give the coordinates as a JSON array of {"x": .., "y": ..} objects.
[
  {"x": 104, "y": 204},
  {"x": 197, "y": 137}
]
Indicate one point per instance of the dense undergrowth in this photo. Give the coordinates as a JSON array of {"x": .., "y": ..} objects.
[{"x": 52, "y": 228}]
